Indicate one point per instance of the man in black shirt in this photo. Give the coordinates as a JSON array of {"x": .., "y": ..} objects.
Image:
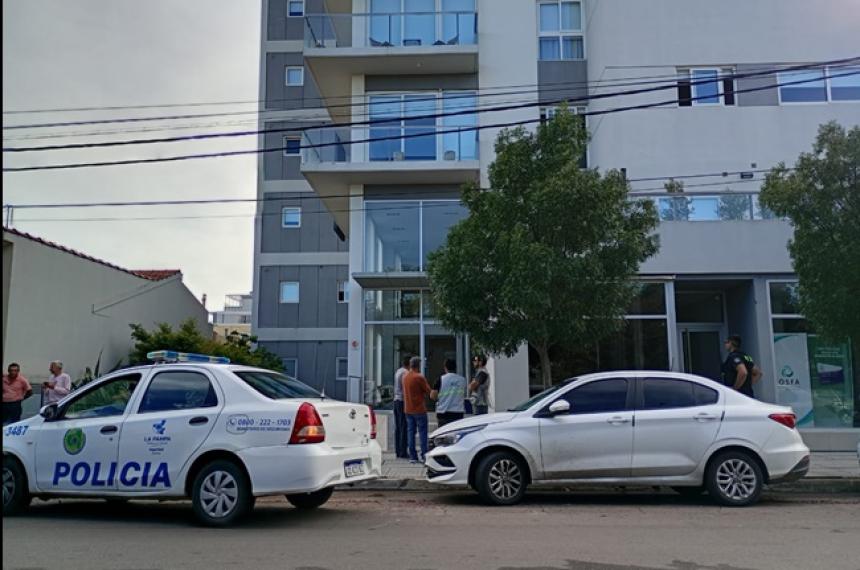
[{"x": 739, "y": 369}]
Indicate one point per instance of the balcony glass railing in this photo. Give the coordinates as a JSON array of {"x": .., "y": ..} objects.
[
  {"x": 395, "y": 29},
  {"x": 389, "y": 143},
  {"x": 726, "y": 206}
]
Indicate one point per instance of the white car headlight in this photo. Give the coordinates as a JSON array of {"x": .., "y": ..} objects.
[{"x": 453, "y": 437}]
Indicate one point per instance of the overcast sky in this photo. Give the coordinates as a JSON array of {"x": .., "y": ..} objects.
[{"x": 61, "y": 53}]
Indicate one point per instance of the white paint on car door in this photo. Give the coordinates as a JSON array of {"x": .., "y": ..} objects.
[{"x": 595, "y": 439}]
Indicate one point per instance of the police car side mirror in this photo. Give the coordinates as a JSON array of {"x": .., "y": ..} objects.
[{"x": 48, "y": 412}]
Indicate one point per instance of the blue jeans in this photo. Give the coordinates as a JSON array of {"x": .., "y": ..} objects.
[
  {"x": 419, "y": 422},
  {"x": 480, "y": 410},
  {"x": 399, "y": 429}
]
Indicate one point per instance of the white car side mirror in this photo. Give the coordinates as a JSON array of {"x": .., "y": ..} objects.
[{"x": 559, "y": 407}]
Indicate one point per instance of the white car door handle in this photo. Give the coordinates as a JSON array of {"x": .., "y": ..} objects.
[
  {"x": 617, "y": 420},
  {"x": 703, "y": 417}
]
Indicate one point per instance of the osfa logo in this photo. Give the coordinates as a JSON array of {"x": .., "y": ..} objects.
[{"x": 159, "y": 427}]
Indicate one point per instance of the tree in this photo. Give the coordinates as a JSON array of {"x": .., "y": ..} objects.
[
  {"x": 821, "y": 197},
  {"x": 546, "y": 256},
  {"x": 188, "y": 338}
]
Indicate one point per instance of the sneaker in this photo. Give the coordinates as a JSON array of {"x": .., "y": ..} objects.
[{"x": 414, "y": 461}]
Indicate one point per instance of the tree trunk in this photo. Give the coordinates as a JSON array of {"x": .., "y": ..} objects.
[{"x": 545, "y": 365}]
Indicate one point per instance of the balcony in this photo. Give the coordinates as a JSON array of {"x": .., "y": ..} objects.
[
  {"x": 336, "y": 157},
  {"x": 341, "y": 45}
]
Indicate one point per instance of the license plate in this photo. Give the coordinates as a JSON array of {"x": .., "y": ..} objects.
[{"x": 353, "y": 468}]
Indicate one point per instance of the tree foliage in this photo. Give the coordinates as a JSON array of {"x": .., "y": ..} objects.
[
  {"x": 546, "y": 256},
  {"x": 821, "y": 197},
  {"x": 188, "y": 338}
]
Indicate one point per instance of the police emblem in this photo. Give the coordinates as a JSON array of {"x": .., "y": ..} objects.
[{"x": 74, "y": 441}]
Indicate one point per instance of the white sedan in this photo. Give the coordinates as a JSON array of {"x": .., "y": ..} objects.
[
  {"x": 625, "y": 428},
  {"x": 219, "y": 434}
]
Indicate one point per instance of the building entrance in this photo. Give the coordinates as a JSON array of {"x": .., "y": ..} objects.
[{"x": 701, "y": 350}]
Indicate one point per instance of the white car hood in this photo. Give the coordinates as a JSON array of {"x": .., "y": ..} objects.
[{"x": 471, "y": 421}]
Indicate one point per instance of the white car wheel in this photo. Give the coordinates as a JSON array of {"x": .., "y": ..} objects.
[
  {"x": 735, "y": 479},
  {"x": 221, "y": 494},
  {"x": 501, "y": 479}
]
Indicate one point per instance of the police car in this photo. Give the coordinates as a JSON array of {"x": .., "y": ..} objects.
[{"x": 191, "y": 426}]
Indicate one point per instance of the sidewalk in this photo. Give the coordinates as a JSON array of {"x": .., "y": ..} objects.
[{"x": 830, "y": 472}]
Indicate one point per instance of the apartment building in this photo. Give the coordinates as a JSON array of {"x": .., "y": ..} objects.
[{"x": 363, "y": 182}]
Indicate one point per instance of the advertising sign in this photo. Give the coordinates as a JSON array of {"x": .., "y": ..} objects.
[
  {"x": 793, "y": 385},
  {"x": 832, "y": 375}
]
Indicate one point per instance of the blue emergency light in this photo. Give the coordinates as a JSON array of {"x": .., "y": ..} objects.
[{"x": 173, "y": 356}]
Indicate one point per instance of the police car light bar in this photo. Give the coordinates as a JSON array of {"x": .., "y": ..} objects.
[{"x": 173, "y": 356}]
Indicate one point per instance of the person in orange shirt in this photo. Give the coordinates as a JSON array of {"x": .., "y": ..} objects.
[
  {"x": 16, "y": 389},
  {"x": 416, "y": 389}
]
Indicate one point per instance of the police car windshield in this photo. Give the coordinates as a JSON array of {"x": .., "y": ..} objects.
[{"x": 277, "y": 386}]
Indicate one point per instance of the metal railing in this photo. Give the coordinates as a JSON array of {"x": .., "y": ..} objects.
[
  {"x": 714, "y": 206},
  {"x": 395, "y": 29},
  {"x": 389, "y": 143}
]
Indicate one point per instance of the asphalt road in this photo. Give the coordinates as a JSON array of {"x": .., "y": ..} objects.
[{"x": 423, "y": 530}]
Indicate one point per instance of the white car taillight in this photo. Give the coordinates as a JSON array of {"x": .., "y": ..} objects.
[
  {"x": 308, "y": 427},
  {"x": 372, "y": 423},
  {"x": 788, "y": 420}
]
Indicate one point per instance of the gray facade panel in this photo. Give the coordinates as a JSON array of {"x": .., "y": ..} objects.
[
  {"x": 277, "y": 166},
  {"x": 315, "y": 234},
  {"x": 562, "y": 80},
  {"x": 412, "y": 192},
  {"x": 316, "y": 363},
  {"x": 420, "y": 82},
  {"x": 317, "y": 307},
  {"x": 281, "y": 27},
  {"x": 756, "y": 98},
  {"x": 278, "y": 95}
]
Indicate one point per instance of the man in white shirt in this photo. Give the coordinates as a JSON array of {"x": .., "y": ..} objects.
[
  {"x": 450, "y": 395},
  {"x": 58, "y": 386},
  {"x": 399, "y": 415}
]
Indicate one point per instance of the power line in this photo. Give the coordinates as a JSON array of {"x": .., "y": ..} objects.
[
  {"x": 353, "y": 104},
  {"x": 257, "y": 151},
  {"x": 597, "y": 83}
]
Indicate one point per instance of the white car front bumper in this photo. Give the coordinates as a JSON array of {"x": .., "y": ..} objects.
[{"x": 277, "y": 470}]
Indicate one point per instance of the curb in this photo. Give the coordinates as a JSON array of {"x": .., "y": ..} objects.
[{"x": 814, "y": 485}]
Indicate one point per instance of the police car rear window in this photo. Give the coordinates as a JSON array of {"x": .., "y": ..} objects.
[{"x": 277, "y": 386}]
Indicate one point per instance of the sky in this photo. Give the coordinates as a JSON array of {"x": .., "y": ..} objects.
[{"x": 84, "y": 53}]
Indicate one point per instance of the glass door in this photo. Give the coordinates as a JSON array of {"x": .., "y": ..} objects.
[{"x": 702, "y": 350}]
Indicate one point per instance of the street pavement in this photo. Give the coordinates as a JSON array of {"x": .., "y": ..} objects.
[{"x": 446, "y": 530}]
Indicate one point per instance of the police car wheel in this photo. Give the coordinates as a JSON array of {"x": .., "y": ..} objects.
[
  {"x": 501, "y": 479},
  {"x": 310, "y": 500},
  {"x": 16, "y": 496},
  {"x": 734, "y": 479},
  {"x": 221, "y": 494}
]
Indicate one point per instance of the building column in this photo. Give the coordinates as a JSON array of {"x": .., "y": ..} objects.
[{"x": 509, "y": 380}]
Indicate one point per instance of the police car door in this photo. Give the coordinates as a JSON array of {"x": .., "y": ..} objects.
[
  {"x": 77, "y": 450},
  {"x": 174, "y": 417}
]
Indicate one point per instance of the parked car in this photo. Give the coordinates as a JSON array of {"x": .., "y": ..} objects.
[
  {"x": 216, "y": 433},
  {"x": 625, "y": 428}
]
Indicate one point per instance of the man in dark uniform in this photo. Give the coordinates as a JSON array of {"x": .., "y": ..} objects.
[{"x": 739, "y": 369}]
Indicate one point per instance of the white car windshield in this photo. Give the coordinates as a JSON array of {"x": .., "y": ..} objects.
[
  {"x": 277, "y": 386},
  {"x": 538, "y": 397}
]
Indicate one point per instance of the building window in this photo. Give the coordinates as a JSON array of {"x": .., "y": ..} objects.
[
  {"x": 342, "y": 292},
  {"x": 812, "y": 90},
  {"x": 291, "y": 367},
  {"x": 844, "y": 83},
  {"x": 296, "y": 8},
  {"x": 289, "y": 292},
  {"x": 295, "y": 76},
  {"x": 342, "y": 367},
  {"x": 560, "y": 31},
  {"x": 291, "y": 217},
  {"x": 292, "y": 145},
  {"x": 706, "y": 86},
  {"x": 548, "y": 113}
]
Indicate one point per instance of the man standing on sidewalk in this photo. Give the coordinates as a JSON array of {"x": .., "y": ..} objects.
[
  {"x": 480, "y": 385},
  {"x": 399, "y": 415},
  {"x": 58, "y": 386},
  {"x": 739, "y": 369},
  {"x": 450, "y": 394},
  {"x": 16, "y": 389},
  {"x": 415, "y": 393}
]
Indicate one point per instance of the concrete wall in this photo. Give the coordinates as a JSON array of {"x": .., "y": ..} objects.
[
  {"x": 317, "y": 306},
  {"x": 64, "y": 307},
  {"x": 317, "y": 363}
]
